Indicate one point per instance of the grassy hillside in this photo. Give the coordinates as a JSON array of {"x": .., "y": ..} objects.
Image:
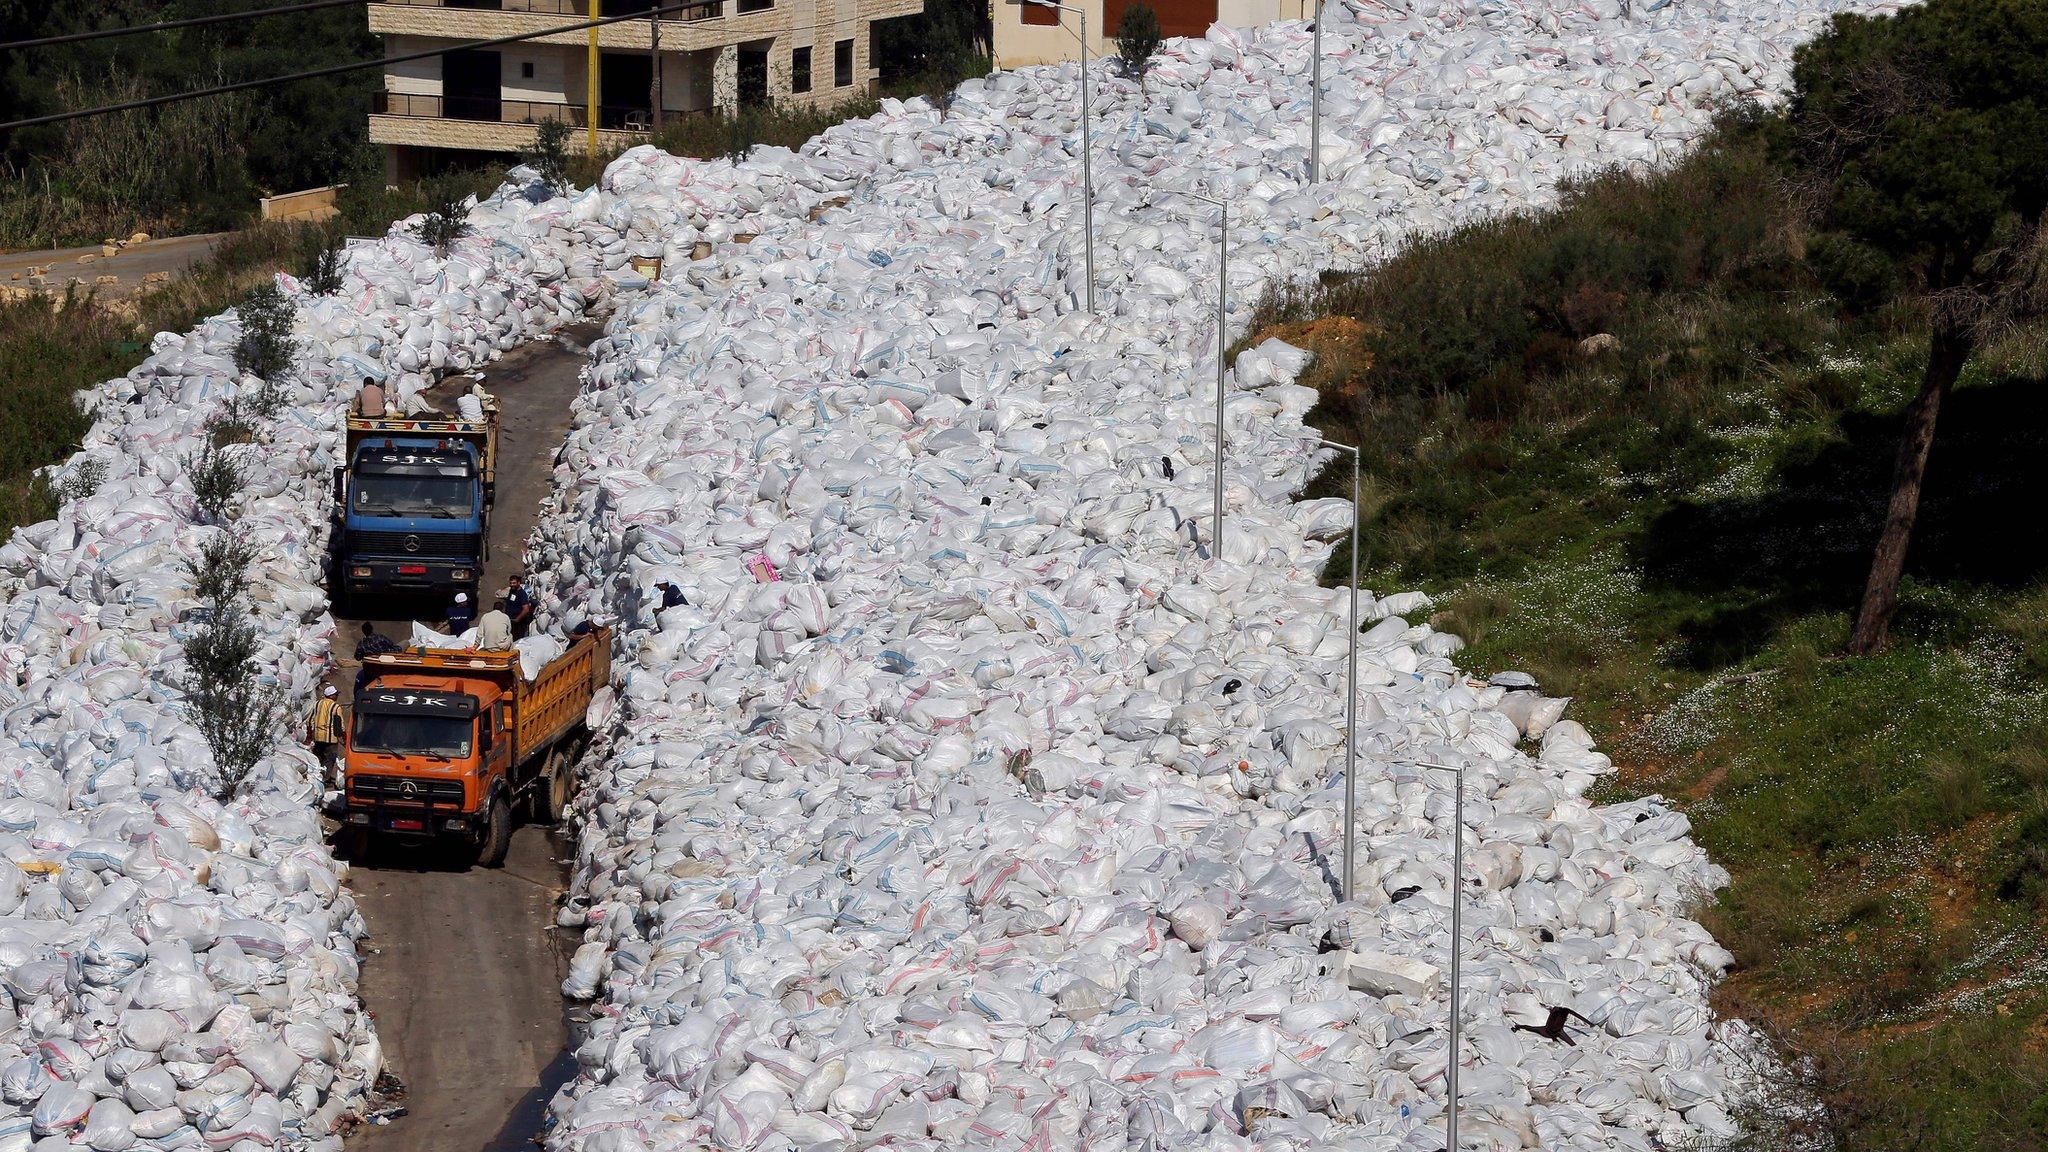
[{"x": 1633, "y": 448}]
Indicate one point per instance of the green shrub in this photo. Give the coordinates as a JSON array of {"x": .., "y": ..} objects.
[
  {"x": 324, "y": 278},
  {"x": 550, "y": 153},
  {"x": 735, "y": 134},
  {"x": 442, "y": 227},
  {"x": 235, "y": 711},
  {"x": 220, "y": 573},
  {"x": 1137, "y": 39},
  {"x": 1857, "y": 273},
  {"x": 239, "y": 715},
  {"x": 266, "y": 348},
  {"x": 1450, "y": 308},
  {"x": 216, "y": 478}
]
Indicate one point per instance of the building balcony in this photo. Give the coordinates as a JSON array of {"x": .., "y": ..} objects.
[
  {"x": 484, "y": 125},
  {"x": 711, "y": 24}
]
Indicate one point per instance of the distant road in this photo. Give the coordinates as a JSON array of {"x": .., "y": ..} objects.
[{"x": 173, "y": 255}]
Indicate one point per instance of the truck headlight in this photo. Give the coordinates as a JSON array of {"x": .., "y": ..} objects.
[
  {"x": 360, "y": 573},
  {"x": 457, "y": 825},
  {"x": 461, "y": 574}
]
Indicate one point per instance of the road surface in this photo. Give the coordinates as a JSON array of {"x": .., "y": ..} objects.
[
  {"x": 463, "y": 968},
  {"x": 173, "y": 255}
]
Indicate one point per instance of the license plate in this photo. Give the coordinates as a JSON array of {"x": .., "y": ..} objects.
[
  {"x": 408, "y": 826},
  {"x": 412, "y": 570}
]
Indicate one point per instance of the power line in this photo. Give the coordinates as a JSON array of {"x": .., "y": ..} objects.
[
  {"x": 194, "y": 22},
  {"x": 338, "y": 69}
]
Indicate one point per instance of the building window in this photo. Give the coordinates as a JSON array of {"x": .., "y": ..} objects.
[
  {"x": 799, "y": 70},
  {"x": 753, "y": 76},
  {"x": 842, "y": 64},
  {"x": 755, "y": 5},
  {"x": 526, "y": 70}
]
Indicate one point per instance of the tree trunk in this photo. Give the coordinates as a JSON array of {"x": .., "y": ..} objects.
[{"x": 1946, "y": 355}]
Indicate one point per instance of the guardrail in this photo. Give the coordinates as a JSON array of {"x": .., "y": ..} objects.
[
  {"x": 709, "y": 10},
  {"x": 622, "y": 118}
]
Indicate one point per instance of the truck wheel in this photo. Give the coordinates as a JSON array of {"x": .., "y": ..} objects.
[
  {"x": 551, "y": 795},
  {"x": 497, "y": 839}
]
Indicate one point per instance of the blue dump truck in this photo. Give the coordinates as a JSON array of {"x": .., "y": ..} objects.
[{"x": 414, "y": 501}]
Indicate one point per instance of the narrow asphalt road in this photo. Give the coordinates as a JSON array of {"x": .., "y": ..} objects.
[
  {"x": 172, "y": 255},
  {"x": 463, "y": 968}
]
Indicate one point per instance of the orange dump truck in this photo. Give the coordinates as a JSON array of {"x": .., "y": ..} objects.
[{"x": 451, "y": 742}]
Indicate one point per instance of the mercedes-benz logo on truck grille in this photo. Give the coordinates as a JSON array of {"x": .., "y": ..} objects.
[
  {"x": 412, "y": 543},
  {"x": 409, "y": 789}
]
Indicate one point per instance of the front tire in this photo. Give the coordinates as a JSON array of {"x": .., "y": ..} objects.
[{"x": 497, "y": 839}]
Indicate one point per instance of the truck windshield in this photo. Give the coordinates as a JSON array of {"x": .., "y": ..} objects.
[
  {"x": 442, "y": 497},
  {"x": 442, "y": 736}
]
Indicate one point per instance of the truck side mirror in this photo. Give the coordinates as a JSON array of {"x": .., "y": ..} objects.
[
  {"x": 341, "y": 486},
  {"x": 484, "y": 742}
]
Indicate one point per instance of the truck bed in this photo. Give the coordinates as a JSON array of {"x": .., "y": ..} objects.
[
  {"x": 557, "y": 699},
  {"x": 539, "y": 711},
  {"x": 438, "y": 425}
]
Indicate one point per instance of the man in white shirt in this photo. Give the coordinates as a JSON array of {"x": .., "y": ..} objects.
[{"x": 494, "y": 628}]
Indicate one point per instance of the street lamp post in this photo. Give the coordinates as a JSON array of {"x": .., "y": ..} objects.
[
  {"x": 1315, "y": 97},
  {"x": 1222, "y": 344},
  {"x": 1457, "y": 944},
  {"x": 1350, "y": 687},
  {"x": 656, "y": 97},
  {"x": 590, "y": 86},
  {"x": 1087, "y": 151}
]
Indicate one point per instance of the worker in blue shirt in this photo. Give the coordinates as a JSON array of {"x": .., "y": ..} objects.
[
  {"x": 461, "y": 615},
  {"x": 373, "y": 643},
  {"x": 519, "y": 606}
]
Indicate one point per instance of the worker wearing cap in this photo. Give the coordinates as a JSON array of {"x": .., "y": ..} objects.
[
  {"x": 494, "y": 628},
  {"x": 324, "y": 731},
  {"x": 460, "y": 615}
]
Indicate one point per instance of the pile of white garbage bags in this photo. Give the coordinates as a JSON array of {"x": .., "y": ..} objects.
[
  {"x": 178, "y": 971},
  {"x": 972, "y": 800}
]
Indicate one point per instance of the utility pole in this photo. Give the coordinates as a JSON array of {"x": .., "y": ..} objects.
[
  {"x": 590, "y": 89},
  {"x": 654, "y": 35}
]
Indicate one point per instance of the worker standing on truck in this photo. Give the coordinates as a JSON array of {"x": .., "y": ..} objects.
[
  {"x": 494, "y": 628},
  {"x": 323, "y": 732},
  {"x": 371, "y": 399},
  {"x": 519, "y": 605},
  {"x": 373, "y": 643},
  {"x": 460, "y": 615}
]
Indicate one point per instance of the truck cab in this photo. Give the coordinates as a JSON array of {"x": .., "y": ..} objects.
[
  {"x": 414, "y": 499},
  {"x": 424, "y": 747}
]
